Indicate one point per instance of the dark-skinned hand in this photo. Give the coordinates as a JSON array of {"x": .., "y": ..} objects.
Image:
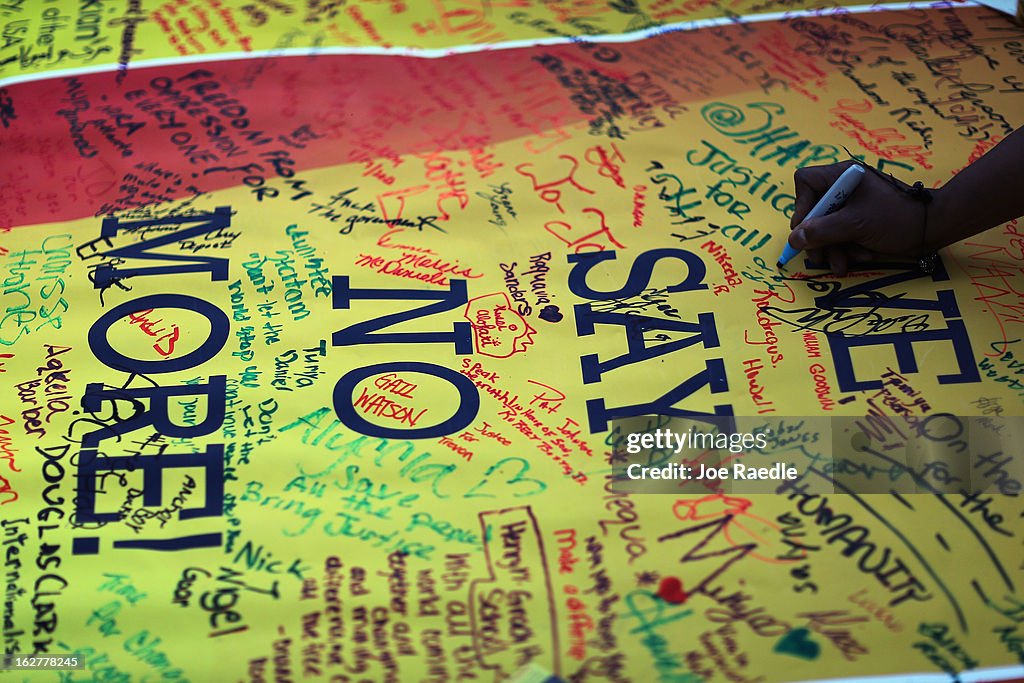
[{"x": 877, "y": 219}]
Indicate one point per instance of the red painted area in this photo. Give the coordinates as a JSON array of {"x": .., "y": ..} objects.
[
  {"x": 226, "y": 124},
  {"x": 87, "y": 145}
]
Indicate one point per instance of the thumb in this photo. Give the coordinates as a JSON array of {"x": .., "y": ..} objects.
[{"x": 823, "y": 231}]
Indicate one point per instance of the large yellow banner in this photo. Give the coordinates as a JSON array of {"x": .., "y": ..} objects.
[{"x": 354, "y": 364}]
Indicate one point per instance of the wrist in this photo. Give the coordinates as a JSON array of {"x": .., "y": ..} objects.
[{"x": 944, "y": 220}]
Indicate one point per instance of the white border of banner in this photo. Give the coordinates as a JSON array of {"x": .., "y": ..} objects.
[
  {"x": 435, "y": 53},
  {"x": 989, "y": 675}
]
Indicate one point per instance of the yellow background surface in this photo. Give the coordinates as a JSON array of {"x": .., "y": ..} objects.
[{"x": 347, "y": 553}]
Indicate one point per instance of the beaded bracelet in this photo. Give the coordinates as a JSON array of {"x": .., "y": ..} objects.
[{"x": 926, "y": 262}]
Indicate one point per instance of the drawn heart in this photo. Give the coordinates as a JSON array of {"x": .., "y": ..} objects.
[
  {"x": 671, "y": 590},
  {"x": 551, "y": 314},
  {"x": 799, "y": 644}
]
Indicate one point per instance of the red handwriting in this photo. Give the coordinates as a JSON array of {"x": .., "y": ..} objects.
[
  {"x": 385, "y": 242},
  {"x": 550, "y": 400},
  {"x": 723, "y": 259},
  {"x": 598, "y": 156},
  {"x": 381, "y": 406},
  {"x": 811, "y": 345},
  {"x": 767, "y": 325},
  {"x": 468, "y": 20},
  {"x": 580, "y": 624},
  {"x": 688, "y": 7},
  {"x": 566, "y": 539},
  {"x": 575, "y": 9},
  {"x": 454, "y": 445},
  {"x": 391, "y": 383},
  {"x": 798, "y": 70},
  {"x": 570, "y": 430},
  {"x": 752, "y": 367},
  {"x": 995, "y": 271},
  {"x": 524, "y": 420},
  {"x": 538, "y": 110},
  {"x": 547, "y": 191},
  {"x": 478, "y": 370},
  {"x": 587, "y": 241},
  {"x": 7, "y": 450},
  {"x": 498, "y": 330},
  {"x": 488, "y": 432},
  {"x": 185, "y": 30},
  {"x": 5, "y": 487},
  {"x": 399, "y": 197},
  {"x": 427, "y": 268},
  {"x": 639, "y": 204},
  {"x": 876, "y": 140},
  {"x": 141, "y": 319},
  {"x": 440, "y": 169},
  {"x": 822, "y": 389},
  {"x": 371, "y": 30}
]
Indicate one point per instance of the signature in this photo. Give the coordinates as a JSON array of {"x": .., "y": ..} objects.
[
  {"x": 844, "y": 321},
  {"x": 847, "y": 321}
]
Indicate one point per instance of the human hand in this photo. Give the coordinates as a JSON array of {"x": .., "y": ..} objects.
[{"x": 877, "y": 219}]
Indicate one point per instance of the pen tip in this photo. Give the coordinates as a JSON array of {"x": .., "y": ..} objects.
[{"x": 780, "y": 265}]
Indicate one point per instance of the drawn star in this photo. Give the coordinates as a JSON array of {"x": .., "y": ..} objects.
[
  {"x": 647, "y": 578},
  {"x": 617, "y": 456}
]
